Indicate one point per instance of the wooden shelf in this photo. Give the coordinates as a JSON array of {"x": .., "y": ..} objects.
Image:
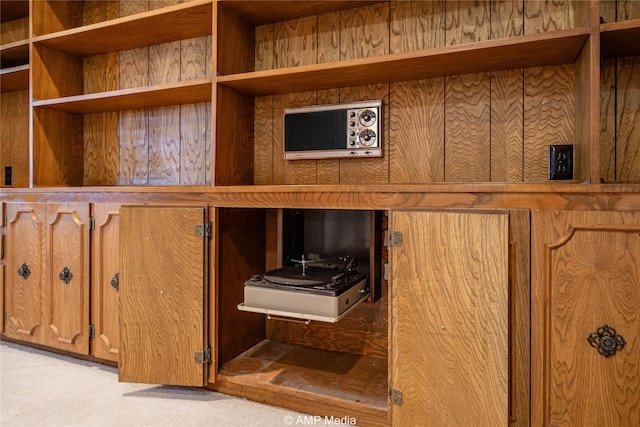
[
  {"x": 554, "y": 48},
  {"x": 14, "y": 79},
  {"x": 11, "y": 10},
  {"x": 179, "y": 22},
  {"x": 188, "y": 92},
  {"x": 267, "y": 12},
  {"x": 13, "y": 54},
  {"x": 322, "y": 380},
  {"x": 620, "y": 39}
]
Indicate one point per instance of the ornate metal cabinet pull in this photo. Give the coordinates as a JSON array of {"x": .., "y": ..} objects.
[
  {"x": 115, "y": 282},
  {"x": 65, "y": 275},
  {"x": 24, "y": 271},
  {"x": 606, "y": 341}
]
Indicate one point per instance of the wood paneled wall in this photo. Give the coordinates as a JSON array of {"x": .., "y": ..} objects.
[
  {"x": 620, "y": 104},
  {"x": 14, "y": 137},
  {"x": 161, "y": 146},
  {"x": 477, "y": 128}
]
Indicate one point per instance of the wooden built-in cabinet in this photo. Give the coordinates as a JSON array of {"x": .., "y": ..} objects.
[
  {"x": 585, "y": 293},
  {"x": 105, "y": 281},
  {"x": 163, "y": 105},
  {"x": 47, "y": 294}
]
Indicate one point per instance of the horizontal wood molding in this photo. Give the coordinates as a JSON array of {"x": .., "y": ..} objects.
[{"x": 378, "y": 197}]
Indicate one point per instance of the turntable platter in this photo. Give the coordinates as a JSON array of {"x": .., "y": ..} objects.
[{"x": 293, "y": 276}]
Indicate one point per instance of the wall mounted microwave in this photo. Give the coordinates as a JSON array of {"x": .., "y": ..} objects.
[{"x": 333, "y": 131}]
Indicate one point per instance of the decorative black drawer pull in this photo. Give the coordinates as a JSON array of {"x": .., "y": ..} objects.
[
  {"x": 606, "y": 341},
  {"x": 65, "y": 275},
  {"x": 115, "y": 282},
  {"x": 24, "y": 271}
]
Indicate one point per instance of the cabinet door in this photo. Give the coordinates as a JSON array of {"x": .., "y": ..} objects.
[
  {"x": 449, "y": 343},
  {"x": 66, "y": 287},
  {"x": 162, "y": 295},
  {"x": 105, "y": 283},
  {"x": 25, "y": 231},
  {"x": 585, "y": 283}
]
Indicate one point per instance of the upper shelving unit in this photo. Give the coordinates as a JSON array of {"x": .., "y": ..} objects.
[
  {"x": 14, "y": 79},
  {"x": 267, "y": 12},
  {"x": 188, "y": 92},
  {"x": 554, "y": 48},
  {"x": 12, "y": 10},
  {"x": 179, "y": 22},
  {"x": 620, "y": 39}
]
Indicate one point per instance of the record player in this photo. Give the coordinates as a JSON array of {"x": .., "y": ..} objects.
[{"x": 310, "y": 289}]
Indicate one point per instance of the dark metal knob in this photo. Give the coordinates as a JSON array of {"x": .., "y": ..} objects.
[
  {"x": 115, "y": 282},
  {"x": 24, "y": 271},
  {"x": 66, "y": 275},
  {"x": 606, "y": 341}
]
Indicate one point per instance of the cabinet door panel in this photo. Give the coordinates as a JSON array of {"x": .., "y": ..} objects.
[
  {"x": 449, "y": 318},
  {"x": 105, "y": 265},
  {"x": 67, "y": 284},
  {"x": 162, "y": 295},
  {"x": 23, "y": 292},
  {"x": 585, "y": 275}
]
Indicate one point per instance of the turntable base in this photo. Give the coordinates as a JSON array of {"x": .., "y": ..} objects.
[{"x": 300, "y": 304}]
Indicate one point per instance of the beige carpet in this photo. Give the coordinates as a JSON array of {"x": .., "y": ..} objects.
[{"x": 45, "y": 389}]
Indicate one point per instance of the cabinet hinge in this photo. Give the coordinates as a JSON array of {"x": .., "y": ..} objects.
[
  {"x": 203, "y": 230},
  {"x": 92, "y": 332},
  {"x": 395, "y": 396},
  {"x": 394, "y": 238},
  {"x": 202, "y": 357},
  {"x": 92, "y": 224}
]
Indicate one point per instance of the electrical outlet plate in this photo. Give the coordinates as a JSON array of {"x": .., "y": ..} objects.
[
  {"x": 560, "y": 162},
  {"x": 8, "y": 175}
]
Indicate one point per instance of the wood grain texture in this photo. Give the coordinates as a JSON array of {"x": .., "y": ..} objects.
[
  {"x": 25, "y": 237},
  {"x": 416, "y": 25},
  {"x": 585, "y": 275},
  {"x": 161, "y": 319},
  {"x": 105, "y": 264},
  {"x": 133, "y": 128},
  {"x": 520, "y": 316},
  {"x": 467, "y": 130},
  {"x": 100, "y": 74},
  {"x": 164, "y": 123},
  {"x": 14, "y": 136},
  {"x": 467, "y": 21},
  {"x": 627, "y": 9},
  {"x": 507, "y": 18},
  {"x": 290, "y": 171},
  {"x": 66, "y": 305},
  {"x": 195, "y": 119},
  {"x": 608, "y": 120},
  {"x": 52, "y": 16},
  {"x": 263, "y": 154},
  {"x": 57, "y": 148},
  {"x": 238, "y": 258},
  {"x": 14, "y": 30},
  {"x": 448, "y": 256},
  {"x": 549, "y": 116},
  {"x": 264, "y": 47},
  {"x": 295, "y": 42},
  {"x": 311, "y": 380},
  {"x": 234, "y": 140},
  {"x": 541, "y": 16},
  {"x": 507, "y": 130},
  {"x": 328, "y": 170},
  {"x": 627, "y": 119},
  {"x": 364, "y": 32},
  {"x": 416, "y": 133}
]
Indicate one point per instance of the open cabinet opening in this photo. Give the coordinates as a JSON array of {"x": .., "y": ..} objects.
[{"x": 309, "y": 366}]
